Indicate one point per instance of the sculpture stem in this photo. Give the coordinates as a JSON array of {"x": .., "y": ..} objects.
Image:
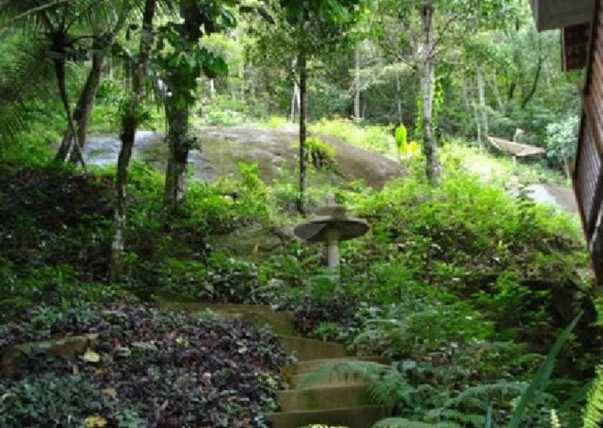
[{"x": 333, "y": 251}]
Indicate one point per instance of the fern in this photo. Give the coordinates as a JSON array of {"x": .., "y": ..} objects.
[
  {"x": 593, "y": 412},
  {"x": 503, "y": 388},
  {"x": 456, "y": 416},
  {"x": 555, "y": 421},
  {"x": 406, "y": 423},
  {"x": 536, "y": 389},
  {"x": 489, "y": 417},
  {"x": 348, "y": 369}
]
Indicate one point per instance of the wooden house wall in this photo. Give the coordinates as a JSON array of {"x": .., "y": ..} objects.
[{"x": 588, "y": 173}]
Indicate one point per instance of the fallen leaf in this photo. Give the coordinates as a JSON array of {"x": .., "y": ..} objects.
[
  {"x": 123, "y": 351},
  {"x": 91, "y": 357},
  {"x": 95, "y": 422},
  {"x": 110, "y": 392}
]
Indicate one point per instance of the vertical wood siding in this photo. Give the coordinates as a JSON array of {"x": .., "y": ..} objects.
[{"x": 588, "y": 173}]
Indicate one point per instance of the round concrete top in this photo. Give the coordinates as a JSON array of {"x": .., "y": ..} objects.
[
  {"x": 330, "y": 222},
  {"x": 318, "y": 229}
]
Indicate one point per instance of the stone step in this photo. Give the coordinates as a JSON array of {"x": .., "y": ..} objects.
[
  {"x": 324, "y": 398},
  {"x": 350, "y": 417},
  {"x": 308, "y": 374},
  {"x": 310, "y": 349},
  {"x": 311, "y": 365},
  {"x": 67, "y": 347},
  {"x": 301, "y": 382},
  {"x": 258, "y": 315}
]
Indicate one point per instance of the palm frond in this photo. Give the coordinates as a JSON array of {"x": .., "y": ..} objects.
[{"x": 26, "y": 85}]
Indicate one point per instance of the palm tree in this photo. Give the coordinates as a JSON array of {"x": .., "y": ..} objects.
[{"x": 61, "y": 32}]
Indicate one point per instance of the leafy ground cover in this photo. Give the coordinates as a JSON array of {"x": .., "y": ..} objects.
[
  {"x": 149, "y": 368},
  {"x": 459, "y": 285}
]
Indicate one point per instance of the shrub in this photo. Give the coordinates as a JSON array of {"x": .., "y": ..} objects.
[
  {"x": 156, "y": 368},
  {"x": 320, "y": 154},
  {"x": 375, "y": 138},
  {"x": 314, "y": 311},
  {"x": 49, "y": 400}
]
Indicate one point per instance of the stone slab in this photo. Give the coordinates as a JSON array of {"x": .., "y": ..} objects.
[
  {"x": 353, "y": 417},
  {"x": 325, "y": 398},
  {"x": 310, "y": 349},
  {"x": 66, "y": 347}
]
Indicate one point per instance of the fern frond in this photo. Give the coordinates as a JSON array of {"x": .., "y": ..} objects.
[
  {"x": 593, "y": 412},
  {"x": 503, "y": 389},
  {"x": 555, "y": 421},
  {"x": 456, "y": 417},
  {"x": 406, "y": 423},
  {"x": 401, "y": 423},
  {"x": 367, "y": 370}
]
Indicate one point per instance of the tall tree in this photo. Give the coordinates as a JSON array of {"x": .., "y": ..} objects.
[
  {"x": 70, "y": 31},
  {"x": 181, "y": 60},
  {"x": 442, "y": 24},
  {"x": 304, "y": 31},
  {"x": 133, "y": 113},
  {"x": 103, "y": 38}
]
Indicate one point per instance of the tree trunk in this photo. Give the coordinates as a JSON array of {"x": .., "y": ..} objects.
[
  {"x": 399, "y": 97},
  {"x": 303, "y": 180},
  {"x": 59, "y": 65},
  {"x": 294, "y": 102},
  {"x": 118, "y": 243},
  {"x": 427, "y": 88},
  {"x": 471, "y": 107},
  {"x": 534, "y": 86},
  {"x": 478, "y": 124},
  {"x": 481, "y": 90},
  {"x": 357, "y": 112},
  {"x": 128, "y": 135},
  {"x": 74, "y": 140},
  {"x": 511, "y": 91},
  {"x": 212, "y": 88},
  {"x": 243, "y": 83},
  {"x": 88, "y": 95},
  {"x": 495, "y": 89},
  {"x": 180, "y": 142}
]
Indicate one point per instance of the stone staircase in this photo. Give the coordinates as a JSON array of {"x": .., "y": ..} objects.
[{"x": 338, "y": 400}]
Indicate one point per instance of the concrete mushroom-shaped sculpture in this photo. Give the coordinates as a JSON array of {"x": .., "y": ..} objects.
[{"x": 331, "y": 225}]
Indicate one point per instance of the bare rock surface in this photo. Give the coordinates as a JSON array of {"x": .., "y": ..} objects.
[
  {"x": 275, "y": 151},
  {"x": 558, "y": 196}
]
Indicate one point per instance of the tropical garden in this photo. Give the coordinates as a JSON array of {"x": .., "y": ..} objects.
[{"x": 157, "y": 155}]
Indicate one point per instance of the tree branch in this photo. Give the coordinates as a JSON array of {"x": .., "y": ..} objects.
[{"x": 444, "y": 30}]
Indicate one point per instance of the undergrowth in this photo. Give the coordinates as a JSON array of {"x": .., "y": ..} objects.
[{"x": 462, "y": 287}]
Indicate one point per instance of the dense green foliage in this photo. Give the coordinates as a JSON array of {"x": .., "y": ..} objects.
[
  {"x": 447, "y": 273},
  {"x": 463, "y": 287}
]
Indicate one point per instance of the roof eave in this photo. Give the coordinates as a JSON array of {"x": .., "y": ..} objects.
[{"x": 555, "y": 14}]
